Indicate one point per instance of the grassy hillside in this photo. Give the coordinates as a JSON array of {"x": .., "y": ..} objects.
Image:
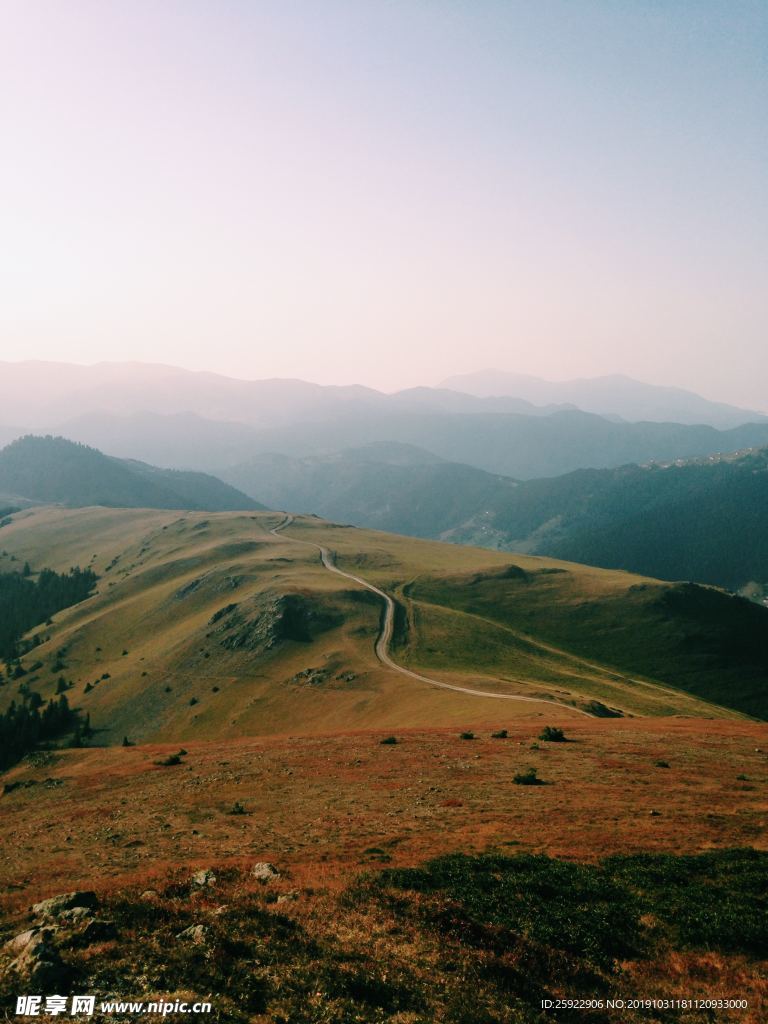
[
  {"x": 210, "y": 626},
  {"x": 701, "y": 520},
  {"x": 52, "y": 469}
]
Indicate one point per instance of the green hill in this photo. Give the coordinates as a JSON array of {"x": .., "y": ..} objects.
[
  {"x": 55, "y": 470},
  {"x": 207, "y": 625},
  {"x": 699, "y": 520}
]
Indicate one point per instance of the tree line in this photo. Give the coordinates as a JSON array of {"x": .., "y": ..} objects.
[
  {"x": 24, "y": 726},
  {"x": 25, "y": 602}
]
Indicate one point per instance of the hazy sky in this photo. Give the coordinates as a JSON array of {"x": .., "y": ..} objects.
[{"x": 389, "y": 191}]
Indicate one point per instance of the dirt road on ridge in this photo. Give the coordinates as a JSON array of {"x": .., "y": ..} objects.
[{"x": 384, "y": 639}]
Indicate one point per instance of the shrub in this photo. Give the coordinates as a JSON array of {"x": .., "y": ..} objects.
[
  {"x": 502, "y": 734},
  {"x": 169, "y": 761},
  {"x": 529, "y": 777},
  {"x": 237, "y": 808},
  {"x": 662, "y": 764},
  {"x": 389, "y": 740},
  {"x": 466, "y": 736},
  {"x": 552, "y": 734}
]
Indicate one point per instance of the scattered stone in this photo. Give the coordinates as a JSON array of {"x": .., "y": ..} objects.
[
  {"x": 311, "y": 676},
  {"x": 204, "y": 879},
  {"x": 150, "y": 894},
  {"x": 196, "y": 933},
  {"x": 288, "y": 896},
  {"x": 23, "y": 939},
  {"x": 264, "y": 872},
  {"x": 40, "y": 963},
  {"x": 56, "y": 905}
]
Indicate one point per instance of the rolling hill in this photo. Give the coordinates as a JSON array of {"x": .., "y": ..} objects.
[
  {"x": 53, "y": 469},
  {"x": 699, "y": 520},
  {"x": 210, "y": 626}
]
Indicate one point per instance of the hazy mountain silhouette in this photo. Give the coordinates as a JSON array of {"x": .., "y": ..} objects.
[
  {"x": 202, "y": 421},
  {"x": 515, "y": 445},
  {"x": 55, "y": 470},
  {"x": 615, "y": 395}
]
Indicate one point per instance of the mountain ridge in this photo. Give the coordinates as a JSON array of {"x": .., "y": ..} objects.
[
  {"x": 55, "y": 470},
  {"x": 611, "y": 394}
]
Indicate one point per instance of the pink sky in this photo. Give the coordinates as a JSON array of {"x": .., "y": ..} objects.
[{"x": 387, "y": 192}]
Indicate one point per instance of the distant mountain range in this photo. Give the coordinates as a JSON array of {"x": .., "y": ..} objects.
[
  {"x": 614, "y": 395},
  {"x": 47, "y": 395},
  {"x": 514, "y": 445},
  {"x": 701, "y": 520},
  {"x": 202, "y": 421},
  {"x": 58, "y": 471}
]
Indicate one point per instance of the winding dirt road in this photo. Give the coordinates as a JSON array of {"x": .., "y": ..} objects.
[{"x": 384, "y": 639}]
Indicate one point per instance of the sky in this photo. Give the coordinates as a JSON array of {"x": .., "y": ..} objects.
[{"x": 389, "y": 192}]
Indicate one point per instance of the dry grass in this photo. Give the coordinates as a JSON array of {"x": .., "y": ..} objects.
[
  {"x": 163, "y": 576},
  {"x": 318, "y": 803}
]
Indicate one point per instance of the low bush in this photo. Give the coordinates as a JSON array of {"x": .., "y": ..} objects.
[{"x": 552, "y": 734}]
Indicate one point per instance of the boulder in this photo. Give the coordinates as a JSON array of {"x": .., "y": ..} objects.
[
  {"x": 39, "y": 963},
  {"x": 56, "y": 905},
  {"x": 264, "y": 872},
  {"x": 196, "y": 933},
  {"x": 204, "y": 879},
  {"x": 22, "y": 940}
]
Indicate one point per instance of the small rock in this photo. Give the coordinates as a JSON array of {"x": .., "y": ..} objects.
[
  {"x": 149, "y": 894},
  {"x": 203, "y": 879},
  {"x": 286, "y": 897},
  {"x": 196, "y": 933},
  {"x": 54, "y": 906},
  {"x": 264, "y": 872},
  {"x": 23, "y": 939}
]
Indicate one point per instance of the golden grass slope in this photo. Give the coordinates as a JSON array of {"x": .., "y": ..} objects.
[{"x": 163, "y": 658}]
